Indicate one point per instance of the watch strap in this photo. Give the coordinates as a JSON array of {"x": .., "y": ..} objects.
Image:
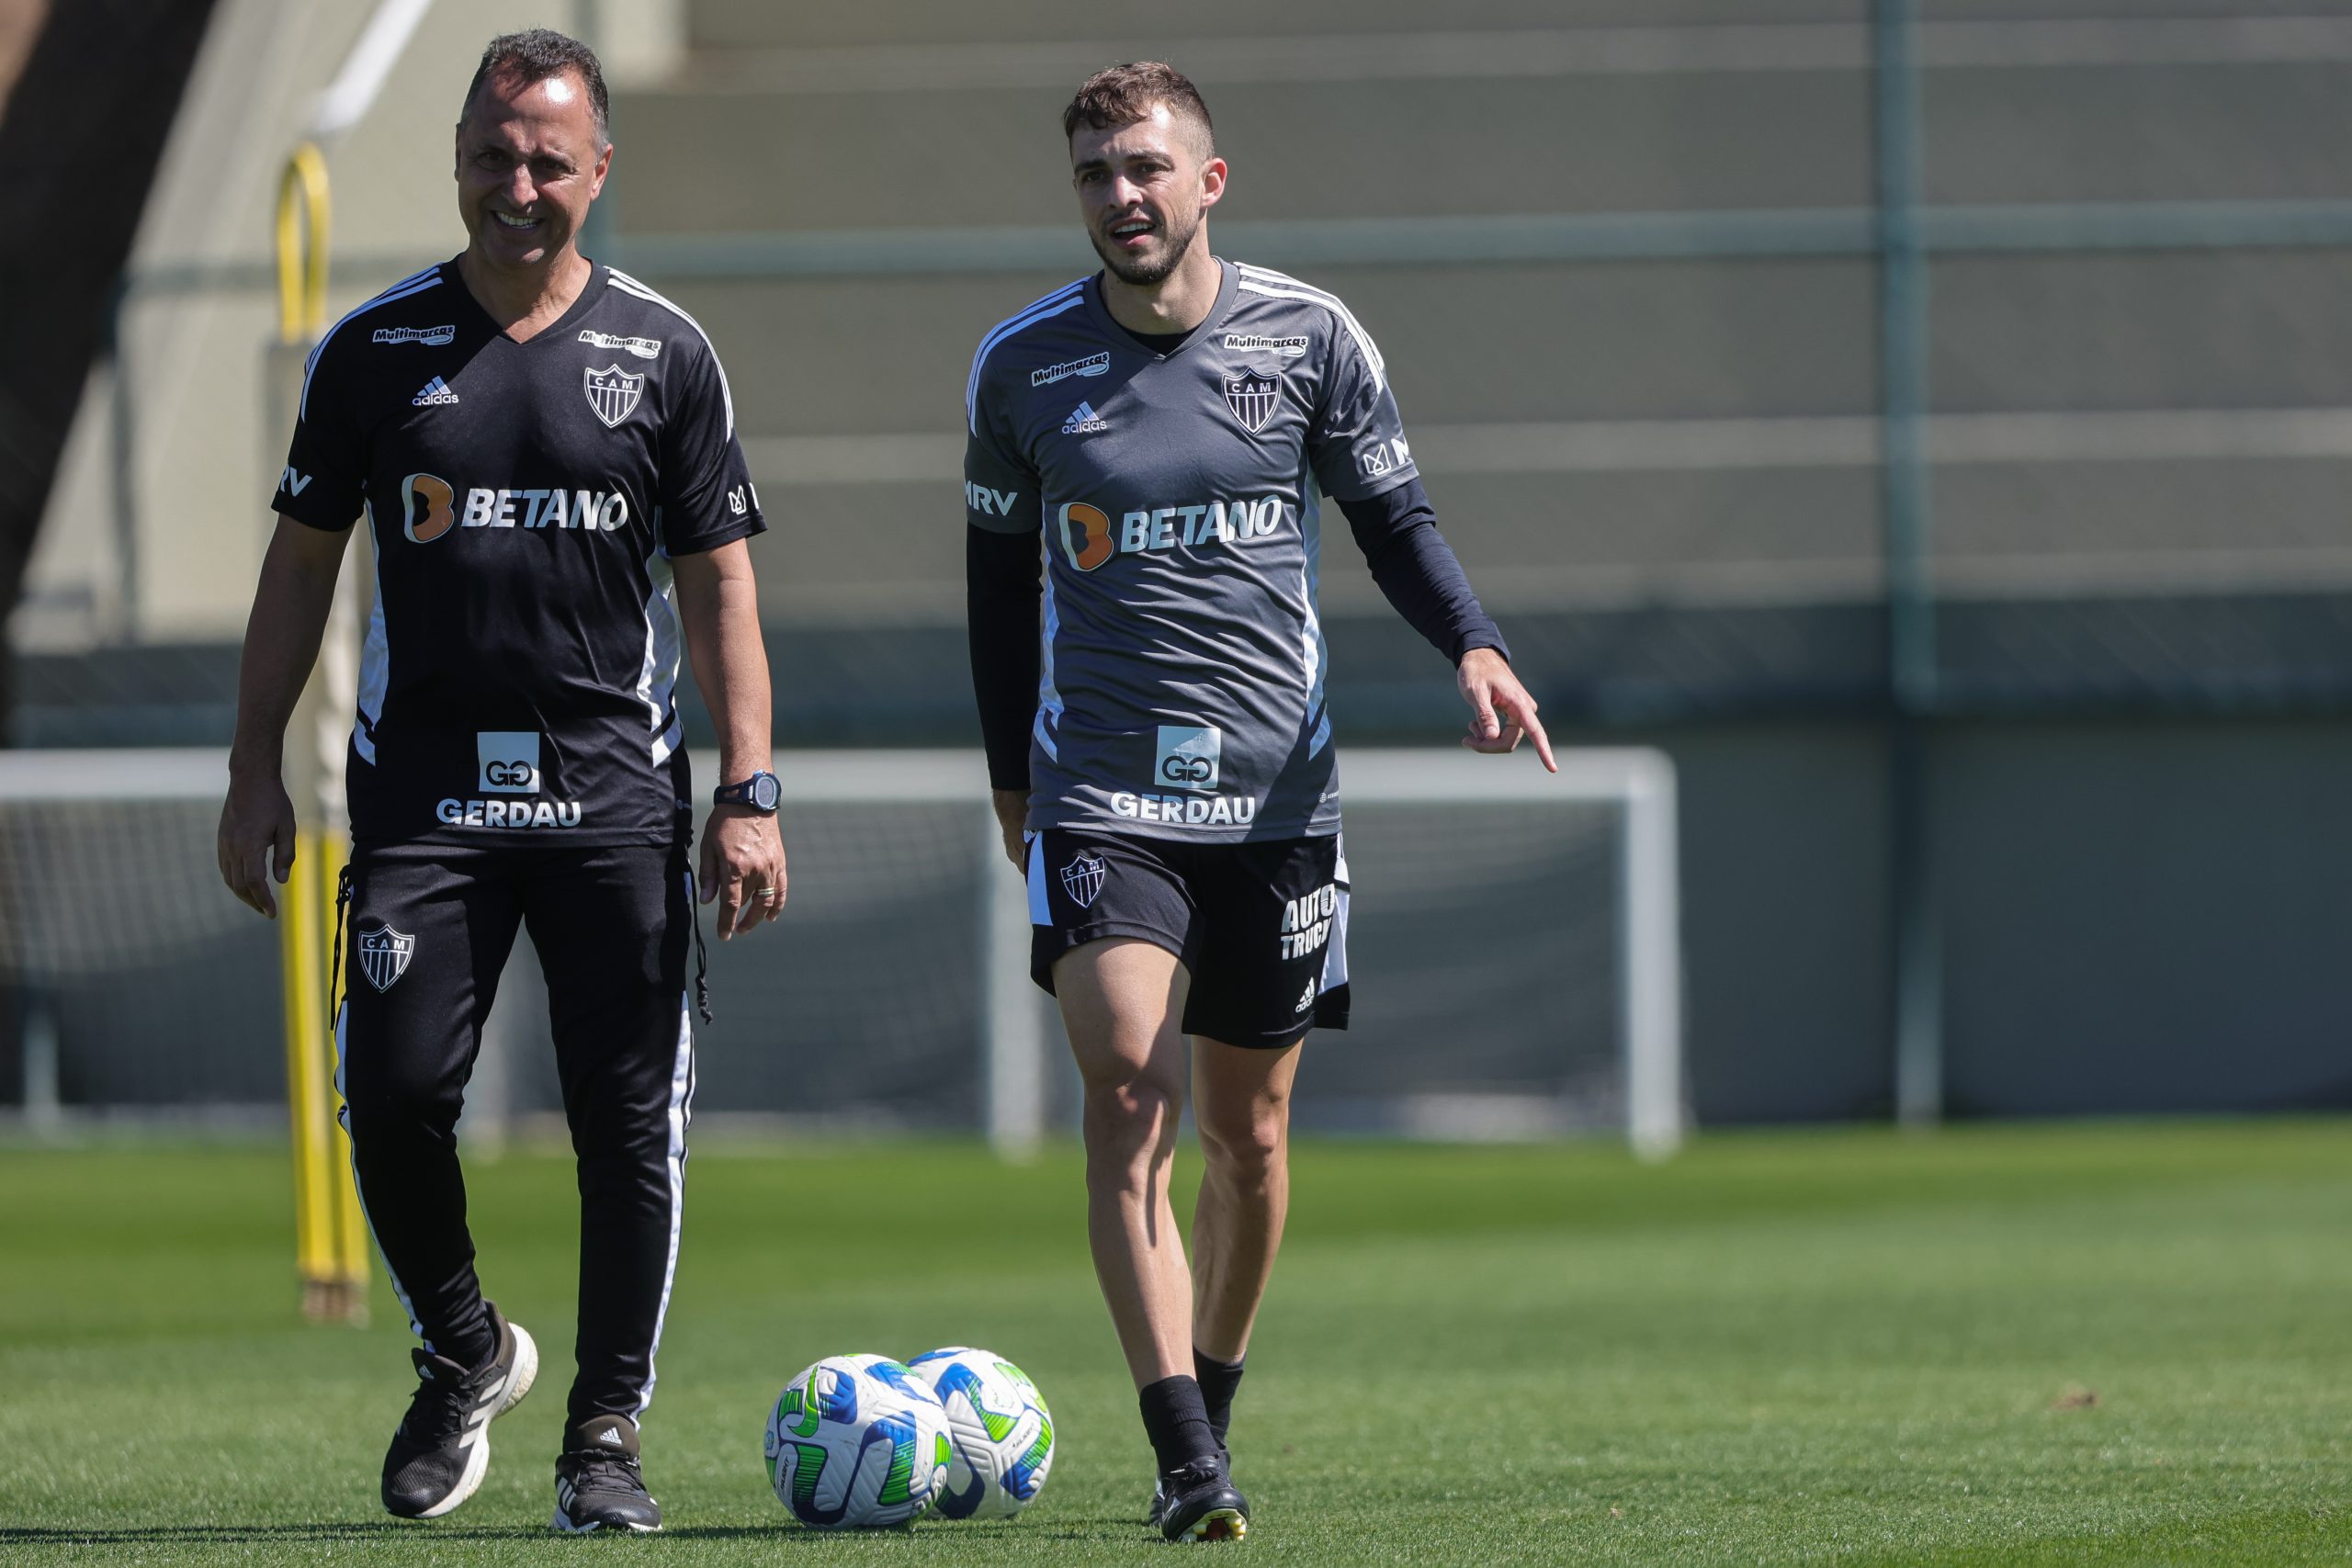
[{"x": 748, "y": 792}]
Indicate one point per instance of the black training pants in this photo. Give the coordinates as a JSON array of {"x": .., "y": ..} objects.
[{"x": 429, "y": 932}]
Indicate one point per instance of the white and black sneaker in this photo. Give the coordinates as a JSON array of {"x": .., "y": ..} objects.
[
  {"x": 442, "y": 1446},
  {"x": 597, "y": 1483}
]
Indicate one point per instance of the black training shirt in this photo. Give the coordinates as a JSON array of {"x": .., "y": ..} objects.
[{"x": 523, "y": 499}]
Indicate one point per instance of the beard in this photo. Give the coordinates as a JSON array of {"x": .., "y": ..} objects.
[{"x": 1146, "y": 271}]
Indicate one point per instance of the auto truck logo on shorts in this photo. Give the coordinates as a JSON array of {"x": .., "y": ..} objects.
[
  {"x": 612, "y": 392},
  {"x": 510, "y": 761},
  {"x": 1188, "y": 757},
  {"x": 1306, "y": 922},
  {"x": 1082, "y": 879},
  {"x": 384, "y": 955}
]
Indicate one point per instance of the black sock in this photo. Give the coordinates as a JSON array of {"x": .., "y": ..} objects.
[
  {"x": 1176, "y": 1422},
  {"x": 471, "y": 1345},
  {"x": 1218, "y": 1380}
]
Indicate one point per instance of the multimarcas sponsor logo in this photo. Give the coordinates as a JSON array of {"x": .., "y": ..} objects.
[
  {"x": 1093, "y": 365},
  {"x": 1288, "y": 347},
  {"x": 643, "y": 347},
  {"x": 436, "y": 337}
]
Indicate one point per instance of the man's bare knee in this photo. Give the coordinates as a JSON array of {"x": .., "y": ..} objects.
[
  {"x": 1130, "y": 1125},
  {"x": 1246, "y": 1145}
]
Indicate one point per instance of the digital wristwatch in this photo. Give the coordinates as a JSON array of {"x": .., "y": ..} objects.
[{"x": 759, "y": 791}]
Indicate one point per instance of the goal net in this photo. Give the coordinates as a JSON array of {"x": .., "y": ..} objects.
[{"x": 1512, "y": 943}]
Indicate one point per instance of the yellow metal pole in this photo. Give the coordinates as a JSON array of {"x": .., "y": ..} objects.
[
  {"x": 331, "y": 1234},
  {"x": 306, "y": 1088},
  {"x": 351, "y": 1238},
  {"x": 303, "y": 216}
]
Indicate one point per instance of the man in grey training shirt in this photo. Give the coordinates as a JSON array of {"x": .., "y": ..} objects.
[{"x": 1161, "y": 755}]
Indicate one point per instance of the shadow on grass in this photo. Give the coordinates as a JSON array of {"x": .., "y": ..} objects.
[
  {"x": 132, "y": 1535},
  {"x": 782, "y": 1533}
]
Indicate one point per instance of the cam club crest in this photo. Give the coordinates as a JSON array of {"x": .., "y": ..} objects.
[
  {"x": 1082, "y": 879},
  {"x": 612, "y": 392},
  {"x": 384, "y": 955},
  {"x": 1251, "y": 396}
]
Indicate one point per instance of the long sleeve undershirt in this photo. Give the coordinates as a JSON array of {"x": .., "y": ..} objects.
[
  {"x": 1396, "y": 530},
  {"x": 1003, "y": 585},
  {"x": 1416, "y": 569}
]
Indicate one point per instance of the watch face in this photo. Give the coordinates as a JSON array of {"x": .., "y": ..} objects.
[{"x": 765, "y": 792}]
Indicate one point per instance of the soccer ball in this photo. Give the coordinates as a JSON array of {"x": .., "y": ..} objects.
[
  {"x": 1003, "y": 1434},
  {"x": 857, "y": 1441}
]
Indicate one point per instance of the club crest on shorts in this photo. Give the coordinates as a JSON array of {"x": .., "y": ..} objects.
[
  {"x": 612, "y": 392},
  {"x": 1251, "y": 396},
  {"x": 1082, "y": 879},
  {"x": 383, "y": 956}
]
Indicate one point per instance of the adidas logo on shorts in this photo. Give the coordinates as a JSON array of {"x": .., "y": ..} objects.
[{"x": 1305, "y": 997}]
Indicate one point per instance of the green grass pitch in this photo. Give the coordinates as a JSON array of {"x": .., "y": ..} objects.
[{"x": 1850, "y": 1347}]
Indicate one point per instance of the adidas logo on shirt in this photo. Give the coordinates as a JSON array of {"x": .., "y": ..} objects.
[
  {"x": 435, "y": 391},
  {"x": 1085, "y": 420}
]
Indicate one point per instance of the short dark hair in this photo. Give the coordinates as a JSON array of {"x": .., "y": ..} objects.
[
  {"x": 1122, "y": 95},
  {"x": 530, "y": 58}
]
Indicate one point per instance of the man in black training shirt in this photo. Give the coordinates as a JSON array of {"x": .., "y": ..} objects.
[{"x": 545, "y": 452}]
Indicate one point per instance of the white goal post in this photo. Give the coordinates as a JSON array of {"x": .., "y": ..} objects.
[
  {"x": 1578, "y": 923},
  {"x": 1638, "y": 781}
]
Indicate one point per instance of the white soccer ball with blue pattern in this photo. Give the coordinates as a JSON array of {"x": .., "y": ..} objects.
[
  {"x": 1000, "y": 1428},
  {"x": 856, "y": 1443}
]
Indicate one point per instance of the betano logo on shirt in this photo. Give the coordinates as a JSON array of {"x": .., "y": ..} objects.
[
  {"x": 429, "y": 509},
  {"x": 1089, "y": 539}
]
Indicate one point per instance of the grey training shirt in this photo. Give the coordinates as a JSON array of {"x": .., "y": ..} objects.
[{"x": 1181, "y": 687}]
